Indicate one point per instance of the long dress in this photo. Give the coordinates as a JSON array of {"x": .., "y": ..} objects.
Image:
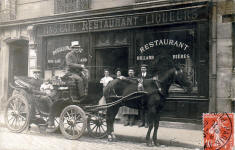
[{"x": 124, "y": 110}]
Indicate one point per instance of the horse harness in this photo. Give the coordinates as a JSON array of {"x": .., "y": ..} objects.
[
  {"x": 156, "y": 81},
  {"x": 140, "y": 88}
]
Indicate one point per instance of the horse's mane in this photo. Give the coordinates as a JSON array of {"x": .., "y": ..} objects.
[
  {"x": 163, "y": 65},
  {"x": 166, "y": 75}
]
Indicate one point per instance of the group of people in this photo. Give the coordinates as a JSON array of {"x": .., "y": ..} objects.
[
  {"x": 76, "y": 70},
  {"x": 129, "y": 115}
]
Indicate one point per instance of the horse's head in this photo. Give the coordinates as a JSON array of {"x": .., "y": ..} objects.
[{"x": 181, "y": 79}]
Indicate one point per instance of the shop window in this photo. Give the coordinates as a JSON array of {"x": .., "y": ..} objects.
[
  {"x": 165, "y": 47},
  {"x": 56, "y": 50},
  {"x": 63, "y": 6}
]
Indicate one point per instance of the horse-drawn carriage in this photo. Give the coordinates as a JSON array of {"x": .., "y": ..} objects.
[{"x": 73, "y": 117}]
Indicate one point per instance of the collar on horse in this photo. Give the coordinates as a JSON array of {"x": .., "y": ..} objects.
[{"x": 156, "y": 81}]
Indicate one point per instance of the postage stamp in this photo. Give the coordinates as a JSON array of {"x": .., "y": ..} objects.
[{"x": 218, "y": 131}]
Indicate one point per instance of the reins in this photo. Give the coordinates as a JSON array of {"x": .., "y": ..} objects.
[{"x": 121, "y": 100}]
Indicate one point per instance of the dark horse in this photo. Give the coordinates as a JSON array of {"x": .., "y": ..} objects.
[{"x": 153, "y": 101}]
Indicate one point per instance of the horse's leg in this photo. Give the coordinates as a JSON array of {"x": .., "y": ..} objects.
[
  {"x": 156, "y": 125},
  {"x": 148, "y": 140},
  {"x": 150, "y": 127},
  {"x": 110, "y": 117}
]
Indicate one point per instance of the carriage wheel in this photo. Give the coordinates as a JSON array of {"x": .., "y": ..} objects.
[
  {"x": 56, "y": 125},
  {"x": 97, "y": 126},
  {"x": 73, "y": 122},
  {"x": 17, "y": 113}
]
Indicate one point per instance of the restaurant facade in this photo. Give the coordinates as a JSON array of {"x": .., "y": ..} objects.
[{"x": 123, "y": 37}]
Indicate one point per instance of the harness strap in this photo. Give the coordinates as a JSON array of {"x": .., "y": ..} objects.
[{"x": 158, "y": 86}]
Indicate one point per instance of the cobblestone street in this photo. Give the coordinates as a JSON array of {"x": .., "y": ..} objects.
[{"x": 33, "y": 140}]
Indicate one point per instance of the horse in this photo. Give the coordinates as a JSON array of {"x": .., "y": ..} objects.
[{"x": 153, "y": 101}]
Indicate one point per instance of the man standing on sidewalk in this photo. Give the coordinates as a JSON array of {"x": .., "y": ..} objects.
[{"x": 143, "y": 75}]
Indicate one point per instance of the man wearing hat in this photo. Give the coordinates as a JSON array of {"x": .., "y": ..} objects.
[
  {"x": 143, "y": 75},
  {"x": 75, "y": 61},
  {"x": 36, "y": 81}
]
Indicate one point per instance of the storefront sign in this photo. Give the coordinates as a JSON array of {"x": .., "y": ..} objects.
[
  {"x": 125, "y": 21},
  {"x": 182, "y": 48},
  {"x": 60, "y": 50},
  {"x": 162, "y": 42}
]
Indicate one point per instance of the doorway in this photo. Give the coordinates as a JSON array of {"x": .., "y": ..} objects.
[
  {"x": 111, "y": 58},
  {"x": 18, "y": 59}
]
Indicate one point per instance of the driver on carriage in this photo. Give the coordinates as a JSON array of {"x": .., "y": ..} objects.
[{"x": 75, "y": 62}]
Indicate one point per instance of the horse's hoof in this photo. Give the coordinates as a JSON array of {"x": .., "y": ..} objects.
[
  {"x": 149, "y": 144},
  {"x": 110, "y": 139},
  {"x": 114, "y": 139},
  {"x": 157, "y": 144}
]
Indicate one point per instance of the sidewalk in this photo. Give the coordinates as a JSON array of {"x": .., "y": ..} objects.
[
  {"x": 169, "y": 136},
  {"x": 166, "y": 136}
]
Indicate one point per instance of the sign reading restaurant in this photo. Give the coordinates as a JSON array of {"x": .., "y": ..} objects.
[{"x": 125, "y": 21}]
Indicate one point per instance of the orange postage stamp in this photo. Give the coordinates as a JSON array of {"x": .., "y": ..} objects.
[{"x": 218, "y": 131}]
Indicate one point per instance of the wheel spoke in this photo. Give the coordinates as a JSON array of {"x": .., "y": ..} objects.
[
  {"x": 72, "y": 128},
  {"x": 96, "y": 129},
  {"x": 13, "y": 121},
  {"x": 10, "y": 118},
  {"x": 22, "y": 117},
  {"x": 67, "y": 128},
  {"x": 67, "y": 113},
  {"x": 12, "y": 106},
  {"x": 18, "y": 122},
  {"x": 93, "y": 128},
  {"x": 78, "y": 126},
  {"x": 71, "y": 113},
  {"x": 77, "y": 129},
  {"x": 102, "y": 128}
]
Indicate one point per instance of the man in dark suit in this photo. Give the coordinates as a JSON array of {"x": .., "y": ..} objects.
[{"x": 143, "y": 75}]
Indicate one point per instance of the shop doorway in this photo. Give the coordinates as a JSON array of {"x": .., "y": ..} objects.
[
  {"x": 111, "y": 58},
  {"x": 18, "y": 59}
]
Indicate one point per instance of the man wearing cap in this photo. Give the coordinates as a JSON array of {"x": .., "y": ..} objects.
[
  {"x": 143, "y": 72},
  {"x": 36, "y": 81},
  {"x": 143, "y": 75},
  {"x": 75, "y": 61}
]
